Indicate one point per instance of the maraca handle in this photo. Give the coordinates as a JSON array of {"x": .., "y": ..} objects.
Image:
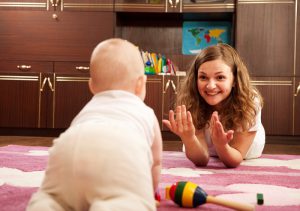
[{"x": 230, "y": 204}]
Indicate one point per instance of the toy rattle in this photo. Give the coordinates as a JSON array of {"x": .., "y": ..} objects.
[{"x": 188, "y": 194}]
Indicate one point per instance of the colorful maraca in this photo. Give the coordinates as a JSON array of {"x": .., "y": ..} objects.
[{"x": 188, "y": 194}]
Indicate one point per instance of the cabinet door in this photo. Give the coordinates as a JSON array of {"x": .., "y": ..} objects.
[
  {"x": 208, "y": 5},
  {"x": 90, "y": 5},
  {"x": 71, "y": 92},
  {"x": 23, "y": 93},
  {"x": 36, "y": 36},
  {"x": 154, "y": 90},
  {"x": 297, "y": 66},
  {"x": 297, "y": 106},
  {"x": 265, "y": 36},
  {"x": 140, "y": 5},
  {"x": 297, "y": 78},
  {"x": 277, "y": 113},
  {"x": 170, "y": 84}
]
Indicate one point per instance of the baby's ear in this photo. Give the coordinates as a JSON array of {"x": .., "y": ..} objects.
[
  {"x": 140, "y": 86},
  {"x": 91, "y": 86}
]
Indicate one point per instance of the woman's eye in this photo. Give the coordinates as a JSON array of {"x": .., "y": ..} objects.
[
  {"x": 202, "y": 77},
  {"x": 220, "y": 77}
]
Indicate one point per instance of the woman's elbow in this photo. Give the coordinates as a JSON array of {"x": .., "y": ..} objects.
[
  {"x": 233, "y": 164},
  {"x": 203, "y": 161}
]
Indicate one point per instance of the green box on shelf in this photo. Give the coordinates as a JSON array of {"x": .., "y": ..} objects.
[{"x": 149, "y": 70}]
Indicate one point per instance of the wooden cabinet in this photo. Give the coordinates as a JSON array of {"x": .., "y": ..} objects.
[
  {"x": 22, "y": 93},
  {"x": 265, "y": 38},
  {"x": 56, "y": 43},
  {"x": 35, "y": 96},
  {"x": 46, "y": 47}
]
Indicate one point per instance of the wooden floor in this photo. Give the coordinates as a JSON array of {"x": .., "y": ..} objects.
[{"x": 275, "y": 145}]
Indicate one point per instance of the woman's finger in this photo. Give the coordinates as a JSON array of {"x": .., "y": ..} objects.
[
  {"x": 184, "y": 116},
  {"x": 189, "y": 120},
  {"x": 172, "y": 120},
  {"x": 179, "y": 118}
]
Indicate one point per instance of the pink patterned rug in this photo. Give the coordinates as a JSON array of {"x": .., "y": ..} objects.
[{"x": 277, "y": 177}]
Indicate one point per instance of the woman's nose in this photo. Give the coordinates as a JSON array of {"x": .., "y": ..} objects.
[{"x": 211, "y": 84}]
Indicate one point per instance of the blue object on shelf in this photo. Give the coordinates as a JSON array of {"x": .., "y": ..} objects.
[{"x": 197, "y": 35}]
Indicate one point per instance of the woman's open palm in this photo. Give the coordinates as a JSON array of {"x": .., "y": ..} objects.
[
  {"x": 181, "y": 122},
  {"x": 218, "y": 135}
]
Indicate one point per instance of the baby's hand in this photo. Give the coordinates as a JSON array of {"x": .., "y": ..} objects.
[
  {"x": 218, "y": 135},
  {"x": 182, "y": 125}
]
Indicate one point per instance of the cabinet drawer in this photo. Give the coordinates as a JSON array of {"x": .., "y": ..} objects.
[
  {"x": 36, "y": 36},
  {"x": 76, "y": 68},
  {"x": 25, "y": 67}
]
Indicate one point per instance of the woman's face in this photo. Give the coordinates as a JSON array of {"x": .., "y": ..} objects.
[{"x": 215, "y": 81}]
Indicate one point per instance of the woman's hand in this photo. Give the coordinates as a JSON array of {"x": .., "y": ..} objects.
[
  {"x": 181, "y": 124},
  {"x": 218, "y": 136}
]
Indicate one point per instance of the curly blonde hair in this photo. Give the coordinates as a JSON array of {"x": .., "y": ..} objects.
[{"x": 238, "y": 109}]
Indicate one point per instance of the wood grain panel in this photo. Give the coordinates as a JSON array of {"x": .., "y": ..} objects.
[
  {"x": 297, "y": 40},
  {"x": 154, "y": 89},
  {"x": 277, "y": 113},
  {"x": 19, "y": 96},
  {"x": 74, "y": 68},
  {"x": 297, "y": 107},
  {"x": 71, "y": 95},
  {"x": 152, "y": 32},
  {"x": 35, "y": 35},
  {"x": 29, "y": 67},
  {"x": 265, "y": 37}
]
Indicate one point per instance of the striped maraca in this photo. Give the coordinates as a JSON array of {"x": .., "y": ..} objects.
[{"x": 188, "y": 194}]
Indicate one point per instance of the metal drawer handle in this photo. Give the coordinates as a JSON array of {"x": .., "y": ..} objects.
[
  {"x": 43, "y": 84},
  {"x": 173, "y": 86},
  {"x": 54, "y": 3},
  {"x": 50, "y": 84},
  {"x": 24, "y": 67},
  {"x": 167, "y": 86},
  {"x": 171, "y": 3},
  {"x": 82, "y": 68},
  {"x": 298, "y": 90}
]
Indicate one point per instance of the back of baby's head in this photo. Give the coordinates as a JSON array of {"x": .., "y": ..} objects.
[{"x": 115, "y": 64}]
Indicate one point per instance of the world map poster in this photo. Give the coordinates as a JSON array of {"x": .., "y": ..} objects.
[{"x": 199, "y": 35}]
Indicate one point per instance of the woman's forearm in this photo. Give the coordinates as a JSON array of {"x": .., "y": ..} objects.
[{"x": 196, "y": 151}]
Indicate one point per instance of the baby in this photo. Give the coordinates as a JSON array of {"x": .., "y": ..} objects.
[{"x": 110, "y": 156}]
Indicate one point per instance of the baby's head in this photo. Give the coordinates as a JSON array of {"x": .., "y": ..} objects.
[{"x": 116, "y": 64}]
